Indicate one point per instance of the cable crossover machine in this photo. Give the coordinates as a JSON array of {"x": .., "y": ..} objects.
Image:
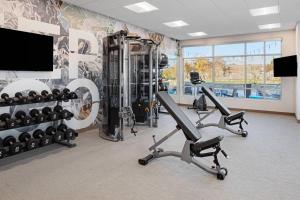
[{"x": 130, "y": 74}]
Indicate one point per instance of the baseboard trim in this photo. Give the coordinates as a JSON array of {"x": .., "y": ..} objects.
[
  {"x": 253, "y": 110},
  {"x": 264, "y": 111}
]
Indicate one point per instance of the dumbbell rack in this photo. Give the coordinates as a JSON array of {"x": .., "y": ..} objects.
[
  {"x": 68, "y": 143},
  {"x": 65, "y": 142}
]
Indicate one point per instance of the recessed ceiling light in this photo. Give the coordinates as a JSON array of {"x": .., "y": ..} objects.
[
  {"x": 269, "y": 26},
  {"x": 178, "y": 23},
  {"x": 141, "y": 7},
  {"x": 264, "y": 11},
  {"x": 197, "y": 34}
]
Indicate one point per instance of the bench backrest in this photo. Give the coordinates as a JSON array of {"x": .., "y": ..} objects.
[
  {"x": 221, "y": 107},
  {"x": 188, "y": 128}
]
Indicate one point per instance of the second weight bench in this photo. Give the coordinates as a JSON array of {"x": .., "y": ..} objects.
[{"x": 227, "y": 118}]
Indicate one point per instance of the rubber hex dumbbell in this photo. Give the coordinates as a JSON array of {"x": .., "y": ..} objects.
[
  {"x": 7, "y": 99},
  {"x": 50, "y": 115},
  {"x": 30, "y": 143},
  {"x": 34, "y": 97},
  {"x": 20, "y": 98},
  {"x": 70, "y": 134},
  {"x": 37, "y": 116},
  {"x": 2, "y": 150},
  {"x": 46, "y": 96},
  {"x": 63, "y": 113},
  {"x": 70, "y": 95},
  {"x": 6, "y": 120},
  {"x": 14, "y": 147},
  {"x": 22, "y": 118},
  {"x": 57, "y": 135},
  {"x": 42, "y": 137},
  {"x": 59, "y": 95}
]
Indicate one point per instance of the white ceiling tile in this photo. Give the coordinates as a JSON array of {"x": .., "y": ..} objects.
[
  {"x": 106, "y": 5},
  {"x": 289, "y": 10},
  {"x": 260, "y": 3},
  {"x": 228, "y": 5},
  {"x": 269, "y": 19}
]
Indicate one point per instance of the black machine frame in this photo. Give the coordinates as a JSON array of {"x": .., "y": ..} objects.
[{"x": 121, "y": 81}]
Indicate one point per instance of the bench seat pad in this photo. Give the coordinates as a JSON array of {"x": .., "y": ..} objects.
[
  {"x": 203, "y": 145},
  {"x": 235, "y": 116}
]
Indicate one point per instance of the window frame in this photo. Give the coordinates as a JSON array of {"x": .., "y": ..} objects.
[
  {"x": 176, "y": 63},
  {"x": 245, "y": 55}
]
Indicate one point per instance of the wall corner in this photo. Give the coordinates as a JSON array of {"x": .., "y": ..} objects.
[{"x": 297, "y": 112}]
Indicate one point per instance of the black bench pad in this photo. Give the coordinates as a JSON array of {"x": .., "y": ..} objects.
[
  {"x": 200, "y": 146},
  {"x": 233, "y": 117},
  {"x": 220, "y": 106},
  {"x": 188, "y": 128}
]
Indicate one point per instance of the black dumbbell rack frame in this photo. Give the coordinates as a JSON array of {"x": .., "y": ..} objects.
[
  {"x": 65, "y": 142},
  {"x": 15, "y": 103}
]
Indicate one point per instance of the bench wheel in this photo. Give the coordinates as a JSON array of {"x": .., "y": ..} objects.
[
  {"x": 222, "y": 173},
  {"x": 220, "y": 176},
  {"x": 244, "y": 133}
]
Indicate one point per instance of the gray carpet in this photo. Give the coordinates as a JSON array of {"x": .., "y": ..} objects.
[{"x": 265, "y": 165}]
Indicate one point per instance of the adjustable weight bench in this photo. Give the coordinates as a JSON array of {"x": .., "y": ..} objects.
[
  {"x": 193, "y": 146},
  {"x": 227, "y": 117}
]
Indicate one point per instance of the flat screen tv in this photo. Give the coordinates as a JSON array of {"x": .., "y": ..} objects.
[
  {"x": 285, "y": 66},
  {"x": 22, "y": 51}
]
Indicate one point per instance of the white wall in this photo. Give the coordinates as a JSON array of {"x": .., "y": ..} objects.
[
  {"x": 287, "y": 102},
  {"x": 298, "y": 78}
]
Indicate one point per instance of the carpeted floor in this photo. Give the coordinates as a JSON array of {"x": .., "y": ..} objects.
[{"x": 265, "y": 166}]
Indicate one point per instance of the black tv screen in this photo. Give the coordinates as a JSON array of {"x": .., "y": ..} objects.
[
  {"x": 22, "y": 51},
  {"x": 285, "y": 66}
]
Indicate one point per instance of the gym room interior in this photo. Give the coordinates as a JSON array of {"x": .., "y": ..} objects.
[{"x": 146, "y": 100}]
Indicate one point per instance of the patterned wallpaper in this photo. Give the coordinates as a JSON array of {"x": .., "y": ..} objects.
[{"x": 78, "y": 35}]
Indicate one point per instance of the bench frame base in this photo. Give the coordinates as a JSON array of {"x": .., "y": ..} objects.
[
  {"x": 222, "y": 124},
  {"x": 185, "y": 155}
]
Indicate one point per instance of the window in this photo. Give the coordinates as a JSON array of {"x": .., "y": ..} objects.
[
  {"x": 169, "y": 76},
  {"x": 194, "y": 52},
  {"x": 255, "y": 48},
  {"x": 255, "y": 69},
  {"x": 201, "y": 65},
  {"x": 273, "y": 47},
  {"x": 230, "y": 49},
  {"x": 229, "y": 70},
  {"x": 243, "y": 70}
]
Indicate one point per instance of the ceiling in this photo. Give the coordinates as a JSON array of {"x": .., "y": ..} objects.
[{"x": 214, "y": 17}]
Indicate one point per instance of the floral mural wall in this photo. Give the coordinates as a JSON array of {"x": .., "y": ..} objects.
[{"x": 78, "y": 54}]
